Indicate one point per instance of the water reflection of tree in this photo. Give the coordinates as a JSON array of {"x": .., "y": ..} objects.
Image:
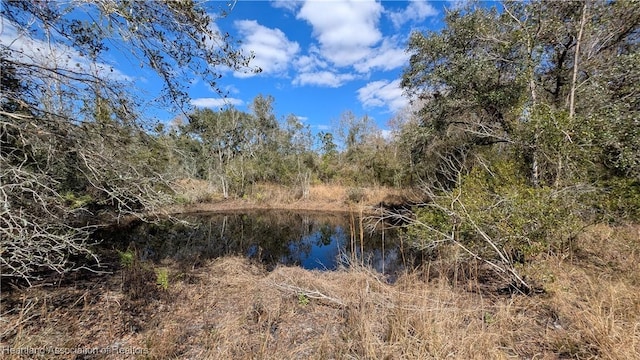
[
  {"x": 325, "y": 234},
  {"x": 269, "y": 237}
]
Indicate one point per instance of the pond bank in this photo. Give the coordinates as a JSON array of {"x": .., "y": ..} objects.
[
  {"x": 326, "y": 198},
  {"x": 243, "y": 205}
]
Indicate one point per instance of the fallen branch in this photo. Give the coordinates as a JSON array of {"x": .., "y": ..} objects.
[{"x": 312, "y": 294}]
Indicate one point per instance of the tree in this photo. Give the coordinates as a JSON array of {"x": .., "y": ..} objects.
[
  {"x": 223, "y": 138},
  {"x": 524, "y": 75},
  {"x": 297, "y": 144},
  {"x": 536, "y": 88},
  {"x": 73, "y": 143},
  {"x": 328, "y": 156},
  {"x": 467, "y": 77}
]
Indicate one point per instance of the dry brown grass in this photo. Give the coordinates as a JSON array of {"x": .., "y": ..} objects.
[
  {"x": 233, "y": 309},
  {"x": 192, "y": 191},
  {"x": 199, "y": 196},
  {"x": 322, "y": 194}
]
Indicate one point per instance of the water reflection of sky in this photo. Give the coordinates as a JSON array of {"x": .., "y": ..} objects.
[
  {"x": 318, "y": 241},
  {"x": 320, "y": 249}
]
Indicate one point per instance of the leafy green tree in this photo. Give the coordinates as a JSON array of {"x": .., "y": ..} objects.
[
  {"x": 467, "y": 76},
  {"x": 298, "y": 142},
  {"x": 535, "y": 88},
  {"x": 530, "y": 75}
]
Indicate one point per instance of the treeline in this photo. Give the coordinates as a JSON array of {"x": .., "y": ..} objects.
[{"x": 233, "y": 150}]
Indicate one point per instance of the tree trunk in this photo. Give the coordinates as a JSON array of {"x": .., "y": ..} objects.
[{"x": 576, "y": 58}]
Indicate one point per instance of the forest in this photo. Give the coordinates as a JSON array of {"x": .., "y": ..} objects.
[{"x": 523, "y": 133}]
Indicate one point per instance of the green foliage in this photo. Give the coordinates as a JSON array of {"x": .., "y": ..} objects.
[
  {"x": 235, "y": 149},
  {"x": 618, "y": 199},
  {"x": 75, "y": 202},
  {"x": 328, "y": 148},
  {"x": 162, "y": 278},
  {"x": 127, "y": 258},
  {"x": 499, "y": 202},
  {"x": 435, "y": 225},
  {"x": 303, "y": 299},
  {"x": 525, "y": 129}
]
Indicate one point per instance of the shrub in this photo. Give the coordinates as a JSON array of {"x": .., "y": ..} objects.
[
  {"x": 618, "y": 199},
  {"x": 498, "y": 204}
]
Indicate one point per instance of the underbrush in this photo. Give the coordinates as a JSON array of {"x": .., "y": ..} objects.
[{"x": 587, "y": 307}]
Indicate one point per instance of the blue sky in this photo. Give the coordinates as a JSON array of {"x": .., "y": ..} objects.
[
  {"x": 319, "y": 58},
  {"x": 322, "y": 58}
]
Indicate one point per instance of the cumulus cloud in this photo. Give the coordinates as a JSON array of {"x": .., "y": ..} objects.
[
  {"x": 383, "y": 93},
  {"x": 216, "y": 102},
  {"x": 311, "y": 62},
  {"x": 322, "y": 78},
  {"x": 273, "y": 51},
  {"x": 386, "y": 57},
  {"x": 346, "y": 30},
  {"x": 313, "y": 70},
  {"x": 417, "y": 10}
]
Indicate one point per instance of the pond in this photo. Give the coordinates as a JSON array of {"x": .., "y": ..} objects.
[{"x": 312, "y": 240}]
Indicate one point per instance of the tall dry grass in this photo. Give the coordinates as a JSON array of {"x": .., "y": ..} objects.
[
  {"x": 191, "y": 191},
  {"x": 324, "y": 193},
  {"x": 231, "y": 308}
]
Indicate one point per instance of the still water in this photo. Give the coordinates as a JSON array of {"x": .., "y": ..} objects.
[{"x": 312, "y": 240}]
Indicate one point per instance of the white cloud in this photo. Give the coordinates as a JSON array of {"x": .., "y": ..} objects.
[
  {"x": 231, "y": 89},
  {"x": 386, "y": 57},
  {"x": 290, "y": 5},
  {"x": 273, "y": 51},
  {"x": 417, "y": 10},
  {"x": 346, "y": 29},
  {"x": 28, "y": 50},
  {"x": 458, "y": 4},
  {"x": 308, "y": 63},
  {"x": 386, "y": 134},
  {"x": 383, "y": 93},
  {"x": 322, "y": 78},
  {"x": 216, "y": 102},
  {"x": 214, "y": 42},
  {"x": 311, "y": 62},
  {"x": 324, "y": 127}
]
